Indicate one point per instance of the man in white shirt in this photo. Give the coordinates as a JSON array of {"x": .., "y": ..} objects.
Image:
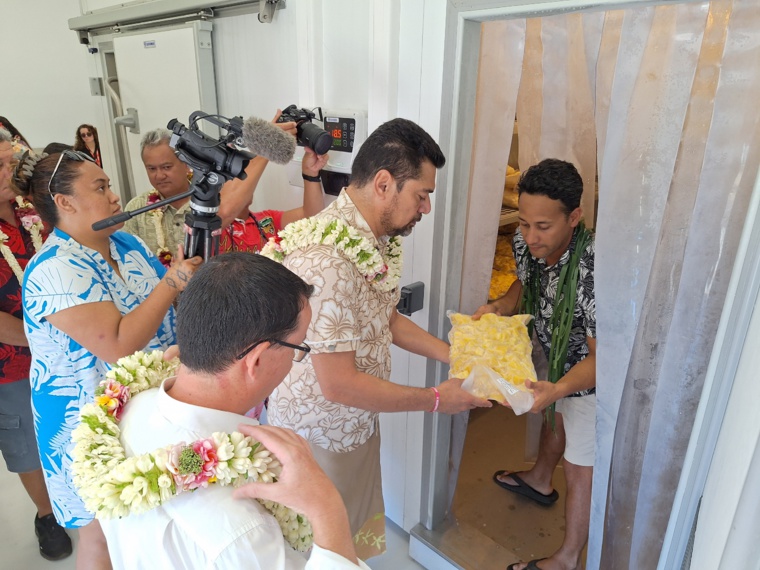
[{"x": 241, "y": 322}]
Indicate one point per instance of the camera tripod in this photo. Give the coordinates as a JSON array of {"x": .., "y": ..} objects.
[
  {"x": 202, "y": 224},
  {"x": 214, "y": 162}
]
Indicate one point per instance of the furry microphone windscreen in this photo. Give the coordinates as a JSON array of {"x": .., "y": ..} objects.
[{"x": 264, "y": 139}]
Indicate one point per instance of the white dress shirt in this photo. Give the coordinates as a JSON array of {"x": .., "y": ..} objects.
[{"x": 206, "y": 528}]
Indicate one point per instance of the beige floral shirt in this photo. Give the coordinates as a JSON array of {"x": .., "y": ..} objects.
[
  {"x": 348, "y": 314},
  {"x": 172, "y": 224}
]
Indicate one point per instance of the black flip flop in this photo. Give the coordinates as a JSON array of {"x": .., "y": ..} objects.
[
  {"x": 522, "y": 488},
  {"x": 532, "y": 565}
]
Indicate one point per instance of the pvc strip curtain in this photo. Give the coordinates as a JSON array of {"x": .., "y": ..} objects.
[
  {"x": 676, "y": 174},
  {"x": 555, "y": 68},
  {"x": 657, "y": 57},
  {"x": 499, "y": 71},
  {"x": 501, "y": 49},
  {"x": 567, "y": 131},
  {"x": 741, "y": 60},
  {"x": 673, "y": 94}
]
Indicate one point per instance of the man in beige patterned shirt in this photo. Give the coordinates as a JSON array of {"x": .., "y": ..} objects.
[{"x": 333, "y": 397}]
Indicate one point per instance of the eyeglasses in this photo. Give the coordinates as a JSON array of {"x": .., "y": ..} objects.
[
  {"x": 300, "y": 350},
  {"x": 71, "y": 155},
  {"x": 85, "y": 135}
]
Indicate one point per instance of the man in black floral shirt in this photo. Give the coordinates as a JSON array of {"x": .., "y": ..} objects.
[{"x": 550, "y": 227}]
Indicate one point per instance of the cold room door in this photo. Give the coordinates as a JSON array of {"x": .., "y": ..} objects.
[{"x": 164, "y": 74}]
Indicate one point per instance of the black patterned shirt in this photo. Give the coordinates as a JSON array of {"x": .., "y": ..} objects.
[{"x": 584, "y": 318}]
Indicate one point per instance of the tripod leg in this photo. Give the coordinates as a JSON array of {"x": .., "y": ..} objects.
[
  {"x": 192, "y": 241},
  {"x": 202, "y": 235},
  {"x": 210, "y": 243}
]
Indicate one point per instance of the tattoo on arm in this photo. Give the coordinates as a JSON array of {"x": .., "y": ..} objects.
[{"x": 180, "y": 277}]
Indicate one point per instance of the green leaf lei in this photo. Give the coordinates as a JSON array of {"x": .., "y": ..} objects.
[{"x": 561, "y": 321}]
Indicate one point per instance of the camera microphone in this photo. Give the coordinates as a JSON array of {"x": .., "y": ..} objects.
[{"x": 264, "y": 139}]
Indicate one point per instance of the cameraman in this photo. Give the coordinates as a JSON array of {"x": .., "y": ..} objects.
[{"x": 163, "y": 229}]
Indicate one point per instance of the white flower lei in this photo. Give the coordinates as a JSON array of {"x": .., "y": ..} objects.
[
  {"x": 31, "y": 223},
  {"x": 383, "y": 272},
  {"x": 113, "y": 485}
]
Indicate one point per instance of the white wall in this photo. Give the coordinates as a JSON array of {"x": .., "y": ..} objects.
[
  {"x": 312, "y": 54},
  {"x": 256, "y": 73},
  {"x": 44, "y": 91},
  {"x": 418, "y": 65},
  {"x": 383, "y": 56},
  {"x": 349, "y": 55}
]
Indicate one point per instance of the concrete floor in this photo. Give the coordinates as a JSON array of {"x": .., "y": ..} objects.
[{"x": 19, "y": 549}]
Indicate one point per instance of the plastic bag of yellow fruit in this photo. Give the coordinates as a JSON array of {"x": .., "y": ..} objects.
[{"x": 493, "y": 355}]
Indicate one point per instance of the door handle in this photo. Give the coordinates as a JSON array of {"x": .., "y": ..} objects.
[{"x": 130, "y": 120}]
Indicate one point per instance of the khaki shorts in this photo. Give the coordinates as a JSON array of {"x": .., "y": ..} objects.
[{"x": 579, "y": 417}]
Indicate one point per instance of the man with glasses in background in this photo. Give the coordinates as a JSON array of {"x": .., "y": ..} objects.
[{"x": 241, "y": 323}]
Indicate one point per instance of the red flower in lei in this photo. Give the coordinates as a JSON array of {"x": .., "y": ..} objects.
[
  {"x": 165, "y": 257},
  {"x": 154, "y": 197}
]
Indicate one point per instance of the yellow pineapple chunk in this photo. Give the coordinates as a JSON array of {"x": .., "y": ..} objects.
[{"x": 500, "y": 343}]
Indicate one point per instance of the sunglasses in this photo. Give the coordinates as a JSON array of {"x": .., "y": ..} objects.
[
  {"x": 85, "y": 135},
  {"x": 76, "y": 155},
  {"x": 300, "y": 350}
]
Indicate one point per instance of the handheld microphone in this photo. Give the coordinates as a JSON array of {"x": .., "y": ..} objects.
[{"x": 264, "y": 139}]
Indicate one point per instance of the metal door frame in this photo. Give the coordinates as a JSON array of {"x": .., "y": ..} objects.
[{"x": 461, "y": 59}]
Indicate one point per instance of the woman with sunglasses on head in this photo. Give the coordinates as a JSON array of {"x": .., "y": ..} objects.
[
  {"x": 86, "y": 140},
  {"x": 90, "y": 298}
]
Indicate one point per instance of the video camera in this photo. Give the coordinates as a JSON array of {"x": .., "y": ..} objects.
[
  {"x": 307, "y": 133},
  {"x": 205, "y": 154},
  {"x": 214, "y": 162}
]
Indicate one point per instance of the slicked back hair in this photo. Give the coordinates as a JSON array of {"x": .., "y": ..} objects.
[
  {"x": 398, "y": 146},
  {"x": 233, "y": 301}
]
